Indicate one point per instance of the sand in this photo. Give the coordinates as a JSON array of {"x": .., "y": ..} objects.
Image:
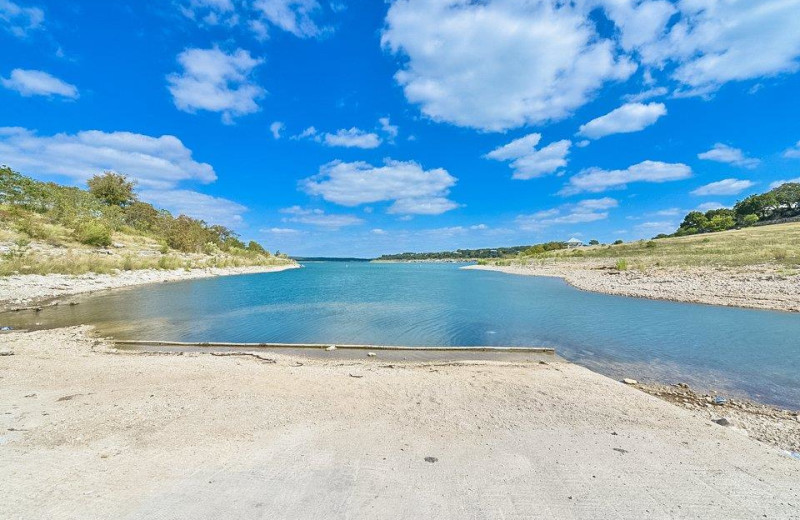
[
  {"x": 758, "y": 287},
  {"x": 23, "y": 290},
  {"x": 89, "y": 433}
]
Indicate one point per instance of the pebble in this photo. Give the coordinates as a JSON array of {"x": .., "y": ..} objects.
[
  {"x": 630, "y": 381},
  {"x": 332, "y": 347},
  {"x": 371, "y": 354},
  {"x": 6, "y": 352},
  {"x": 722, "y": 422}
]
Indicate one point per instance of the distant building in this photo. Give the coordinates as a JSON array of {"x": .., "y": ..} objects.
[{"x": 574, "y": 242}]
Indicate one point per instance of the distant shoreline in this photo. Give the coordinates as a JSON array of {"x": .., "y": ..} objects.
[{"x": 754, "y": 287}]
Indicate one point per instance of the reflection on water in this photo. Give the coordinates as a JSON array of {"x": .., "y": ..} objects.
[{"x": 738, "y": 350}]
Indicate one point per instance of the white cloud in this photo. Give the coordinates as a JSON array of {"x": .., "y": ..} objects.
[
  {"x": 723, "y": 187},
  {"x": 498, "y": 65},
  {"x": 784, "y": 181},
  {"x": 281, "y": 231},
  {"x": 793, "y": 152},
  {"x": 214, "y": 210},
  {"x": 716, "y": 41},
  {"x": 631, "y": 117},
  {"x": 352, "y": 138},
  {"x": 154, "y": 162},
  {"x": 647, "y": 94},
  {"x": 216, "y": 81},
  {"x": 294, "y": 16},
  {"x": 378, "y": 231},
  {"x": 276, "y": 128},
  {"x": 585, "y": 211},
  {"x": 655, "y": 227},
  {"x": 528, "y": 162},
  {"x": 18, "y": 20},
  {"x": 317, "y": 217},
  {"x": 413, "y": 189},
  {"x": 726, "y": 154},
  {"x": 38, "y": 83},
  {"x": 597, "y": 179},
  {"x": 211, "y": 12},
  {"x": 388, "y": 128},
  {"x": 708, "y": 206}
]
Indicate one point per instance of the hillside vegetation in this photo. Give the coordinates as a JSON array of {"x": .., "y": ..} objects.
[
  {"x": 777, "y": 245},
  {"x": 49, "y": 228}
]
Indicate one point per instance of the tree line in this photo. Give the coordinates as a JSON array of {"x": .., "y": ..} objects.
[{"x": 777, "y": 204}]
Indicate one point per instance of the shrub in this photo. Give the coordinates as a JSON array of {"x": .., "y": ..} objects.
[
  {"x": 650, "y": 244},
  {"x": 93, "y": 233},
  {"x": 617, "y": 242},
  {"x": 622, "y": 265},
  {"x": 750, "y": 220}
]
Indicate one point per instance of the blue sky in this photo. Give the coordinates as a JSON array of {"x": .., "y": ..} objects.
[{"x": 364, "y": 127}]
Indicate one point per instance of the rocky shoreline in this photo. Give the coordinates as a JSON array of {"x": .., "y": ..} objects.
[
  {"x": 757, "y": 287},
  {"x": 20, "y": 291}
]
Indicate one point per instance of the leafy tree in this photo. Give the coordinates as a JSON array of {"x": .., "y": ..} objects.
[
  {"x": 142, "y": 216},
  {"x": 594, "y": 242},
  {"x": 721, "y": 223},
  {"x": 255, "y": 247},
  {"x": 761, "y": 205},
  {"x": 618, "y": 242},
  {"x": 694, "y": 222},
  {"x": 750, "y": 220},
  {"x": 113, "y": 189}
]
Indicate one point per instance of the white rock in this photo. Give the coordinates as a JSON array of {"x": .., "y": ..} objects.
[
  {"x": 630, "y": 381},
  {"x": 371, "y": 354},
  {"x": 332, "y": 347},
  {"x": 6, "y": 352}
]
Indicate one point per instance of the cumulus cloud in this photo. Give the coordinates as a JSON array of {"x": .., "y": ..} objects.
[
  {"x": 211, "y": 12},
  {"x": 716, "y": 41},
  {"x": 793, "y": 152},
  {"x": 318, "y": 217},
  {"x": 597, "y": 180},
  {"x": 216, "y": 81},
  {"x": 498, "y": 65},
  {"x": 412, "y": 189},
  {"x": 723, "y": 187},
  {"x": 784, "y": 181},
  {"x": 280, "y": 231},
  {"x": 19, "y": 20},
  {"x": 528, "y": 162},
  {"x": 276, "y": 128},
  {"x": 655, "y": 227},
  {"x": 214, "y": 210},
  {"x": 352, "y": 138},
  {"x": 726, "y": 154},
  {"x": 631, "y": 117},
  {"x": 585, "y": 211},
  {"x": 38, "y": 83},
  {"x": 154, "y": 162}
]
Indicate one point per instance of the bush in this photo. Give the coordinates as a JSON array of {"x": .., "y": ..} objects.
[
  {"x": 750, "y": 220},
  {"x": 622, "y": 265},
  {"x": 93, "y": 233},
  {"x": 617, "y": 242}
]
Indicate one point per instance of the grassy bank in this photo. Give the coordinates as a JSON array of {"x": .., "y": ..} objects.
[{"x": 777, "y": 245}]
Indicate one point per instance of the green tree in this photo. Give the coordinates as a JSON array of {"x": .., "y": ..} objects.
[
  {"x": 594, "y": 242},
  {"x": 113, "y": 189}
]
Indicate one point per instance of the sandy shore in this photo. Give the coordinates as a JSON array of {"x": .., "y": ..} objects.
[
  {"x": 89, "y": 433},
  {"x": 758, "y": 287},
  {"x": 21, "y": 290}
]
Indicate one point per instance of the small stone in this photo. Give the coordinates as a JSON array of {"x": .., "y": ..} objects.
[
  {"x": 722, "y": 422},
  {"x": 431, "y": 459},
  {"x": 719, "y": 400},
  {"x": 6, "y": 352},
  {"x": 371, "y": 354},
  {"x": 332, "y": 347},
  {"x": 628, "y": 381}
]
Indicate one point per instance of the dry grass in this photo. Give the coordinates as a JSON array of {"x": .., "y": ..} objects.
[
  {"x": 54, "y": 250},
  {"x": 777, "y": 245}
]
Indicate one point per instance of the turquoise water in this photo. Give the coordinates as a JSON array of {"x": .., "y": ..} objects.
[{"x": 742, "y": 352}]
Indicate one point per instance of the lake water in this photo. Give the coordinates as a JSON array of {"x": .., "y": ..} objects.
[{"x": 739, "y": 351}]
